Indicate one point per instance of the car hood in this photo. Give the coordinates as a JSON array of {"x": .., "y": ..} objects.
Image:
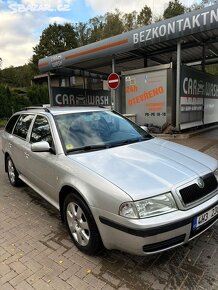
[{"x": 147, "y": 168}]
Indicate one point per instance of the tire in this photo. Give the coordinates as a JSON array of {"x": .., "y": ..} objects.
[
  {"x": 81, "y": 225},
  {"x": 12, "y": 172}
]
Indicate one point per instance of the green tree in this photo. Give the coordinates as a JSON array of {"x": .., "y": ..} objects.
[
  {"x": 113, "y": 24},
  {"x": 0, "y": 69},
  {"x": 130, "y": 21},
  {"x": 96, "y": 28},
  {"x": 17, "y": 76},
  {"x": 20, "y": 101},
  {"x": 6, "y": 102},
  {"x": 82, "y": 33},
  {"x": 145, "y": 16},
  {"x": 24, "y": 75},
  {"x": 55, "y": 38},
  {"x": 8, "y": 76},
  {"x": 38, "y": 95},
  {"x": 174, "y": 8}
]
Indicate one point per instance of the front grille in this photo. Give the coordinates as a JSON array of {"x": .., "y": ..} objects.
[
  {"x": 164, "y": 244},
  {"x": 193, "y": 192}
]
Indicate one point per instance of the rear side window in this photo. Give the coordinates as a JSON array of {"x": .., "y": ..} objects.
[
  {"x": 10, "y": 125},
  {"x": 22, "y": 126}
]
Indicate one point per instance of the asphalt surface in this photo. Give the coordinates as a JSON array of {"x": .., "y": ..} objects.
[{"x": 37, "y": 253}]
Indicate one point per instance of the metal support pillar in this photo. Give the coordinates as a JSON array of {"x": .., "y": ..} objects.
[
  {"x": 113, "y": 64},
  {"x": 178, "y": 101},
  {"x": 203, "y": 69},
  {"x": 84, "y": 80},
  {"x": 49, "y": 90},
  {"x": 203, "y": 57},
  {"x": 113, "y": 92}
]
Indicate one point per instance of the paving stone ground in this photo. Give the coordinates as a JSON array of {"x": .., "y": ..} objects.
[{"x": 36, "y": 252}]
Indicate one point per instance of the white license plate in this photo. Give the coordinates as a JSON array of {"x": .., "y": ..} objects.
[{"x": 205, "y": 217}]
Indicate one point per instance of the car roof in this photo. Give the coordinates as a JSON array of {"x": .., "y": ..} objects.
[{"x": 63, "y": 110}]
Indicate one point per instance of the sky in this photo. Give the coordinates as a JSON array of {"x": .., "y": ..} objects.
[{"x": 22, "y": 22}]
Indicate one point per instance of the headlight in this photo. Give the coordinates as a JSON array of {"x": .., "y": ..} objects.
[
  {"x": 216, "y": 173},
  {"x": 149, "y": 207}
]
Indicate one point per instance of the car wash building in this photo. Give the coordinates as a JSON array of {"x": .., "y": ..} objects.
[{"x": 162, "y": 68}]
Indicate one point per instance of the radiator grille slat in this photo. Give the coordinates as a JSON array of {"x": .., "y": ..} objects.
[{"x": 193, "y": 192}]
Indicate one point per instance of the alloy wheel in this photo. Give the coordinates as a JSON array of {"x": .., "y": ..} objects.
[
  {"x": 78, "y": 224},
  {"x": 11, "y": 171}
]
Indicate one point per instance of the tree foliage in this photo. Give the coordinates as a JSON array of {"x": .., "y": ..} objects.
[
  {"x": 13, "y": 100},
  {"x": 130, "y": 21},
  {"x": 19, "y": 100},
  {"x": 100, "y": 27},
  {"x": 38, "y": 95},
  {"x": 55, "y": 38},
  {"x": 145, "y": 16},
  {"x": 82, "y": 33},
  {"x": 6, "y": 102},
  {"x": 174, "y": 8},
  {"x": 8, "y": 76},
  {"x": 17, "y": 76},
  {"x": 113, "y": 24},
  {"x": 110, "y": 24},
  {"x": 95, "y": 28}
]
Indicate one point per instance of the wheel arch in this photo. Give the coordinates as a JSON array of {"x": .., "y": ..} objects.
[
  {"x": 64, "y": 192},
  {"x": 95, "y": 243}
]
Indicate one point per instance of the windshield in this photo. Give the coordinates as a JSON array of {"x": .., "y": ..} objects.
[{"x": 97, "y": 130}]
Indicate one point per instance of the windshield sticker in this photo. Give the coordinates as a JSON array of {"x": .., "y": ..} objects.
[{"x": 69, "y": 146}]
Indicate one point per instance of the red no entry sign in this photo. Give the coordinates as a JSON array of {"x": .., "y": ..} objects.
[{"x": 113, "y": 81}]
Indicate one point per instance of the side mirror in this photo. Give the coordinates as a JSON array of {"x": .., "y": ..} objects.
[
  {"x": 145, "y": 128},
  {"x": 41, "y": 146}
]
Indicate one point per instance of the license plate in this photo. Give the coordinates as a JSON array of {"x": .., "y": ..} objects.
[{"x": 205, "y": 217}]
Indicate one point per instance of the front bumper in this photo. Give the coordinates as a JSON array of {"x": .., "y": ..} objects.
[{"x": 152, "y": 235}]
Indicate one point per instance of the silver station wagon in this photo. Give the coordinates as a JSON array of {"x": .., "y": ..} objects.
[{"x": 115, "y": 185}]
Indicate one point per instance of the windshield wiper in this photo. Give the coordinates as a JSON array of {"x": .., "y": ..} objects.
[
  {"x": 88, "y": 148},
  {"x": 129, "y": 141},
  {"x": 104, "y": 146}
]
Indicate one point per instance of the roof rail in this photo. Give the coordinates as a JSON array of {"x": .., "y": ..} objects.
[{"x": 35, "y": 107}]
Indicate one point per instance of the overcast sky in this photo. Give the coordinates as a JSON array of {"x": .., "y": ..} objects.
[{"x": 22, "y": 22}]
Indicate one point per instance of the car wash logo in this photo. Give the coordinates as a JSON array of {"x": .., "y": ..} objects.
[
  {"x": 79, "y": 97},
  {"x": 81, "y": 100},
  {"x": 195, "y": 87},
  {"x": 56, "y": 60}
]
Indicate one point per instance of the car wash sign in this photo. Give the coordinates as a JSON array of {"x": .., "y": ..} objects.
[
  {"x": 199, "y": 98},
  {"x": 196, "y": 83},
  {"x": 62, "y": 96},
  {"x": 176, "y": 27}
]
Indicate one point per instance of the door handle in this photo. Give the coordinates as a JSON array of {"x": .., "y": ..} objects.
[{"x": 26, "y": 155}]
